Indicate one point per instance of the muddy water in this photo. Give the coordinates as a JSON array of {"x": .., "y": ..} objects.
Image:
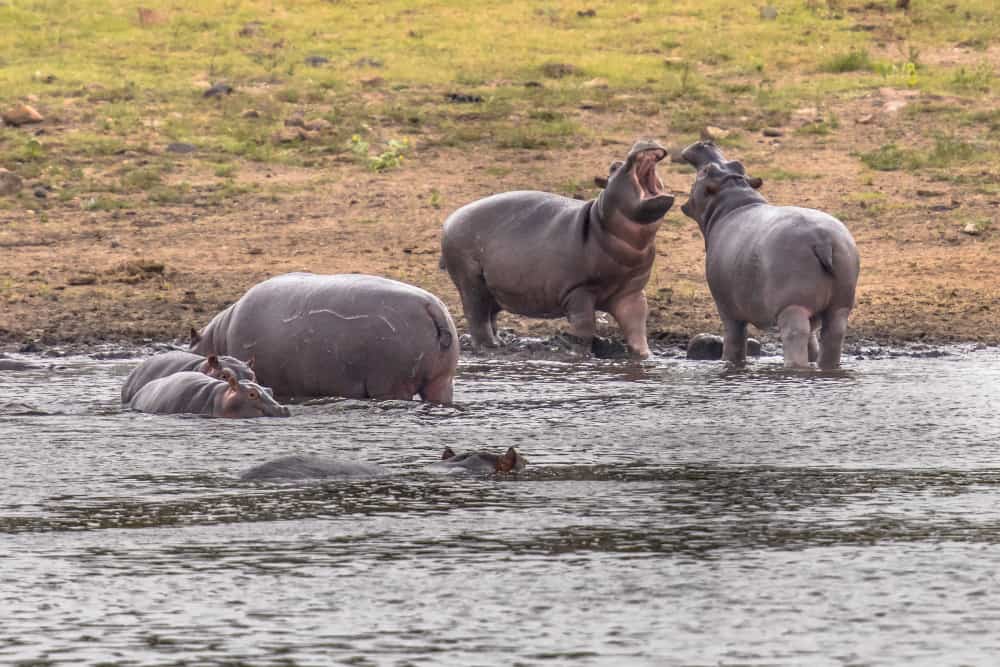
[{"x": 672, "y": 513}]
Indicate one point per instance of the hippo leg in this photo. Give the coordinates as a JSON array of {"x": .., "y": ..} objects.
[
  {"x": 480, "y": 310},
  {"x": 579, "y": 307},
  {"x": 439, "y": 390},
  {"x": 834, "y": 328},
  {"x": 631, "y": 312},
  {"x": 813, "y": 345},
  {"x": 734, "y": 341},
  {"x": 793, "y": 323}
]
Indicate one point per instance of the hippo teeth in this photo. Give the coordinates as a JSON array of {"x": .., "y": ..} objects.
[{"x": 645, "y": 173}]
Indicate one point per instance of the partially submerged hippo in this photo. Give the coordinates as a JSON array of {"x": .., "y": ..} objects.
[
  {"x": 176, "y": 361},
  {"x": 311, "y": 467},
  {"x": 544, "y": 255},
  {"x": 796, "y": 268},
  {"x": 190, "y": 392},
  {"x": 483, "y": 462},
  {"x": 342, "y": 335}
]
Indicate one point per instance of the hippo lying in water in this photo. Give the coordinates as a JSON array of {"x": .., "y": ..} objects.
[
  {"x": 796, "y": 268},
  {"x": 543, "y": 255},
  {"x": 343, "y": 335},
  {"x": 189, "y": 392},
  {"x": 317, "y": 467},
  {"x": 176, "y": 361}
]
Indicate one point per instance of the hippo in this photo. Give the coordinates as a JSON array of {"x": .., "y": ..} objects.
[
  {"x": 482, "y": 462},
  {"x": 15, "y": 365},
  {"x": 176, "y": 361},
  {"x": 793, "y": 267},
  {"x": 356, "y": 336},
  {"x": 544, "y": 255},
  {"x": 196, "y": 393},
  {"x": 311, "y": 467},
  {"x": 708, "y": 347}
]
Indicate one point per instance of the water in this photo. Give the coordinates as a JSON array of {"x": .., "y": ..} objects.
[{"x": 671, "y": 513}]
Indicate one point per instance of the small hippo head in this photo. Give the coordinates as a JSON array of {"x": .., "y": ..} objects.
[
  {"x": 716, "y": 179},
  {"x": 510, "y": 461},
  {"x": 244, "y": 398},
  {"x": 632, "y": 188},
  {"x": 216, "y": 366}
]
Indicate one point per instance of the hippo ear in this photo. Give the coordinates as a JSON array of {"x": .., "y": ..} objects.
[
  {"x": 213, "y": 362},
  {"x": 195, "y": 337},
  {"x": 250, "y": 362},
  {"x": 600, "y": 181},
  {"x": 508, "y": 461},
  {"x": 447, "y": 454},
  {"x": 230, "y": 379},
  {"x": 755, "y": 182}
]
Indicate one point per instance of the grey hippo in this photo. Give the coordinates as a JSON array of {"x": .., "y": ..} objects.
[
  {"x": 766, "y": 265},
  {"x": 353, "y": 335},
  {"x": 544, "y": 255},
  {"x": 176, "y": 361},
  {"x": 190, "y": 392},
  {"x": 301, "y": 466}
]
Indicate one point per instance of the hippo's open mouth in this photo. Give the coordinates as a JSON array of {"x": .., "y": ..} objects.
[{"x": 644, "y": 173}]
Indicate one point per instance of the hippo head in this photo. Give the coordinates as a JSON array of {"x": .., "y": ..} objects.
[
  {"x": 216, "y": 366},
  {"x": 632, "y": 188},
  {"x": 716, "y": 178},
  {"x": 512, "y": 461},
  {"x": 244, "y": 398}
]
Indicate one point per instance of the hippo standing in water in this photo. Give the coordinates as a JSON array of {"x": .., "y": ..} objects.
[
  {"x": 796, "y": 268},
  {"x": 189, "y": 392},
  {"x": 543, "y": 255},
  {"x": 176, "y": 361},
  {"x": 343, "y": 335}
]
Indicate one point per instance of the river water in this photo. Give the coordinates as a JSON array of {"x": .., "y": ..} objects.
[{"x": 672, "y": 513}]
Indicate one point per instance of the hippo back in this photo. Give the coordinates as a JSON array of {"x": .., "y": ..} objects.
[
  {"x": 176, "y": 361},
  {"x": 186, "y": 392},
  {"x": 311, "y": 467}
]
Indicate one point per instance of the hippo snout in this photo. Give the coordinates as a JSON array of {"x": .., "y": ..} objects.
[{"x": 701, "y": 153}]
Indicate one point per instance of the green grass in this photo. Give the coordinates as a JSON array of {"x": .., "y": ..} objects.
[{"x": 948, "y": 151}]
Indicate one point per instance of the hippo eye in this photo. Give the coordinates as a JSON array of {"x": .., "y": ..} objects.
[{"x": 253, "y": 395}]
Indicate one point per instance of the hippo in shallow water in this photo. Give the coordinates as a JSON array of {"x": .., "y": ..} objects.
[
  {"x": 343, "y": 335},
  {"x": 793, "y": 267},
  {"x": 482, "y": 462},
  {"x": 176, "y": 361},
  {"x": 312, "y": 467},
  {"x": 544, "y": 255},
  {"x": 189, "y": 392}
]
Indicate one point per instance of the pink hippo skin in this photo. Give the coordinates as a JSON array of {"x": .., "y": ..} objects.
[
  {"x": 351, "y": 335},
  {"x": 796, "y": 268},
  {"x": 175, "y": 361},
  {"x": 189, "y": 392},
  {"x": 544, "y": 255}
]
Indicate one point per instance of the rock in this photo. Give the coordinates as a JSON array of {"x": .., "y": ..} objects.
[
  {"x": 218, "y": 89},
  {"x": 972, "y": 229},
  {"x": 596, "y": 83},
  {"x": 533, "y": 84},
  {"x": 40, "y": 192},
  {"x": 463, "y": 98},
  {"x": 82, "y": 280},
  {"x": 712, "y": 133},
  {"x": 180, "y": 147},
  {"x": 10, "y": 183},
  {"x": 586, "y": 13},
  {"x": 708, "y": 347},
  {"x": 772, "y": 132},
  {"x": 867, "y": 119},
  {"x": 22, "y": 114},
  {"x": 318, "y": 125},
  {"x": 249, "y": 113},
  {"x": 768, "y": 13},
  {"x": 316, "y": 61},
  {"x": 930, "y": 193}
]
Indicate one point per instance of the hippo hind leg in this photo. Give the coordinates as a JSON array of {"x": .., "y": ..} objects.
[
  {"x": 734, "y": 341},
  {"x": 814, "y": 340},
  {"x": 793, "y": 323},
  {"x": 480, "y": 310},
  {"x": 832, "y": 341}
]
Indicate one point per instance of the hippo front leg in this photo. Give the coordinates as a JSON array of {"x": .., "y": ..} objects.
[
  {"x": 580, "y": 312},
  {"x": 734, "y": 342},
  {"x": 631, "y": 313}
]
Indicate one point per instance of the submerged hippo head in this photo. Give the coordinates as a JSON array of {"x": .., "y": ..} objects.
[
  {"x": 244, "y": 398},
  {"x": 632, "y": 188},
  {"x": 511, "y": 461},
  {"x": 217, "y": 367},
  {"x": 716, "y": 179}
]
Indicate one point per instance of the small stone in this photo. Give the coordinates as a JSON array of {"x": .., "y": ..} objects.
[
  {"x": 463, "y": 98},
  {"x": 772, "y": 132},
  {"x": 587, "y": 13},
  {"x": 972, "y": 229},
  {"x": 705, "y": 347},
  {"x": 10, "y": 183},
  {"x": 255, "y": 251},
  {"x": 713, "y": 133},
  {"x": 180, "y": 147},
  {"x": 596, "y": 83},
  {"x": 22, "y": 114},
  {"x": 318, "y": 125},
  {"x": 867, "y": 119},
  {"x": 316, "y": 61},
  {"x": 768, "y": 13},
  {"x": 372, "y": 81},
  {"x": 250, "y": 113},
  {"x": 218, "y": 90},
  {"x": 82, "y": 280},
  {"x": 930, "y": 193}
]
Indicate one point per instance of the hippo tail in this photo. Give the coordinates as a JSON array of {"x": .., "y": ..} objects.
[
  {"x": 444, "y": 328},
  {"x": 824, "y": 253}
]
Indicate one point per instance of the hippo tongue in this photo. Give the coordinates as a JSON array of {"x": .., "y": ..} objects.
[{"x": 701, "y": 153}]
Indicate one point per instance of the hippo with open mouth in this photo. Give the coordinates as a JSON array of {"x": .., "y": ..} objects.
[
  {"x": 544, "y": 255},
  {"x": 190, "y": 392},
  {"x": 793, "y": 267},
  {"x": 176, "y": 361}
]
